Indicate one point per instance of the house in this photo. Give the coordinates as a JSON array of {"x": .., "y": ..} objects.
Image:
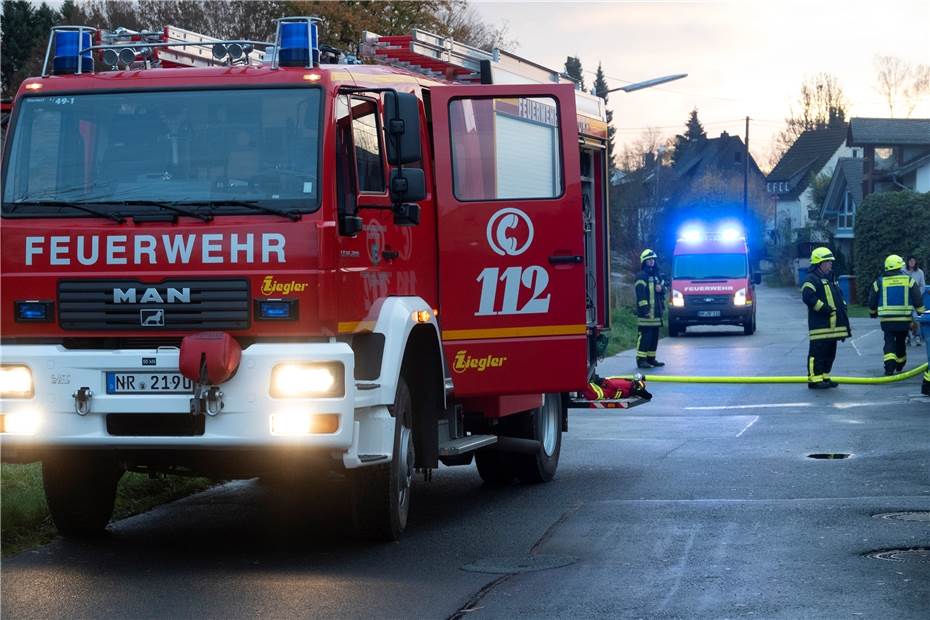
[
  {"x": 814, "y": 153},
  {"x": 896, "y": 153},
  {"x": 895, "y": 156}
]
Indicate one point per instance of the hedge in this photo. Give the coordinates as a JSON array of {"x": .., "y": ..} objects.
[{"x": 890, "y": 223}]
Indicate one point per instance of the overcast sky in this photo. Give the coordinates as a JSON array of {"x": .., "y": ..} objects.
[{"x": 743, "y": 58}]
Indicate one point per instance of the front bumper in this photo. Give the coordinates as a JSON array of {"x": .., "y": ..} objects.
[
  {"x": 243, "y": 423},
  {"x": 728, "y": 314}
]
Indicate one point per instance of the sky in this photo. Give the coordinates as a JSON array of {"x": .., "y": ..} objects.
[{"x": 742, "y": 58}]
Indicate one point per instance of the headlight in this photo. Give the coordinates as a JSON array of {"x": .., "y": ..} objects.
[
  {"x": 678, "y": 300},
  {"x": 15, "y": 381},
  {"x": 307, "y": 380},
  {"x": 739, "y": 297}
]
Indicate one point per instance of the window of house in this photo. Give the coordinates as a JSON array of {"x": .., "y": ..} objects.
[
  {"x": 505, "y": 148},
  {"x": 846, "y": 218}
]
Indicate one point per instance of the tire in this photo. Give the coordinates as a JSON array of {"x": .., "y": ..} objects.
[
  {"x": 674, "y": 329},
  {"x": 749, "y": 328},
  {"x": 544, "y": 425},
  {"x": 80, "y": 489},
  {"x": 380, "y": 494},
  {"x": 495, "y": 468}
]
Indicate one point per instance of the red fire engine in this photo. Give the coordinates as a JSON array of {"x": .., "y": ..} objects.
[{"x": 240, "y": 258}]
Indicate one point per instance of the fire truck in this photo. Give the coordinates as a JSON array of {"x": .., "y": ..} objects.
[{"x": 242, "y": 259}]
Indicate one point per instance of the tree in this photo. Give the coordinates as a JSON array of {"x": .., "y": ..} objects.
[
  {"x": 23, "y": 36},
  {"x": 694, "y": 135},
  {"x": 821, "y": 103},
  {"x": 901, "y": 83},
  {"x": 573, "y": 70},
  {"x": 600, "y": 89}
]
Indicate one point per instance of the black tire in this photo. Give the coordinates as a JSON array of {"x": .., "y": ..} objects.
[
  {"x": 80, "y": 489},
  {"x": 749, "y": 328},
  {"x": 495, "y": 468},
  {"x": 674, "y": 329},
  {"x": 380, "y": 494},
  {"x": 544, "y": 425}
]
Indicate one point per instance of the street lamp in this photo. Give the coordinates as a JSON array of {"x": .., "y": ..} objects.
[{"x": 648, "y": 83}]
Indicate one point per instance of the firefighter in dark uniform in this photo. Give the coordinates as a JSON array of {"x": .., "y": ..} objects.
[
  {"x": 894, "y": 294},
  {"x": 650, "y": 302},
  {"x": 827, "y": 318}
]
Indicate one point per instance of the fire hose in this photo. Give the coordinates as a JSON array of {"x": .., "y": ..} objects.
[{"x": 776, "y": 379}]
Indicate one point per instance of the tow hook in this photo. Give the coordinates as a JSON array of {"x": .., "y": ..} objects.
[
  {"x": 207, "y": 400},
  {"x": 82, "y": 398}
]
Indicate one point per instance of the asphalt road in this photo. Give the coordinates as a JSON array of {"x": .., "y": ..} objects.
[{"x": 700, "y": 504}]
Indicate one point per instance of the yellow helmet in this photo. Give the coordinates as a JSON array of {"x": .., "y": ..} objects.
[
  {"x": 820, "y": 255},
  {"x": 894, "y": 263},
  {"x": 646, "y": 255}
]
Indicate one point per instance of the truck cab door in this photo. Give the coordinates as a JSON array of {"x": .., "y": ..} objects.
[{"x": 511, "y": 238}]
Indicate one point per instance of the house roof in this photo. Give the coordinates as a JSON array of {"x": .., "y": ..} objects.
[
  {"x": 809, "y": 153},
  {"x": 847, "y": 177},
  {"x": 889, "y": 131},
  {"x": 716, "y": 153}
]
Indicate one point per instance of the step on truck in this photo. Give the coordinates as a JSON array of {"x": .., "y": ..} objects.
[{"x": 238, "y": 258}]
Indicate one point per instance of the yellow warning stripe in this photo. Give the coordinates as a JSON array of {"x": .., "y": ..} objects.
[
  {"x": 355, "y": 326},
  {"x": 514, "y": 332}
]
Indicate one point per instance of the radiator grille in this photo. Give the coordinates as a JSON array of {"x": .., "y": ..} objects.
[{"x": 96, "y": 305}]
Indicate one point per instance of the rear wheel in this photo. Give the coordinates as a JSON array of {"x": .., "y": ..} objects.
[
  {"x": 381, "y": 493},
  {"x": 80, "y": 489},
  {"x": 545, "y": 426},
  {"x": 495, "y": 468}
]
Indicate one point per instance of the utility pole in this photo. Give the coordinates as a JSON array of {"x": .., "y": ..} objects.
[{"x": 746, "y": 174}]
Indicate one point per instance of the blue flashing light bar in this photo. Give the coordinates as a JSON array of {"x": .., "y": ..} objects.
[
  {"x": 68, "y": 46},
  {"x": 692, "y": 235},
  {"x": 278, "y": 309},
  {"x": 727, "y": 233},
  {"x": 299, "y": 43}
]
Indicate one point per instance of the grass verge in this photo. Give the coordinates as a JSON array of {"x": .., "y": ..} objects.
[
  {"x": 857, "y": 311},
  {"x": 24, "y": 519},
  {"x": 623, "y": 330}
]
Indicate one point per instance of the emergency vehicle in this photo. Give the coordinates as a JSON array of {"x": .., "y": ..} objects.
[
  {"x": 241, "y": 258},
  {"x": 712, "y": 280}
]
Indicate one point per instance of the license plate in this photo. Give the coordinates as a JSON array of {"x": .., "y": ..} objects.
[
  {"x": 148, "y": 383},
  {"x": 707, "y": 314}
]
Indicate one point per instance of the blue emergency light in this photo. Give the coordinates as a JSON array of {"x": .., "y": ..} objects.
[
  {"x": 692, "y": 234},
  {"x": 276, "y": 309},
  {"x": 68, "y": 46},
  {"x": 34, "y": 311},
  {"x": 298, "y": 42}
]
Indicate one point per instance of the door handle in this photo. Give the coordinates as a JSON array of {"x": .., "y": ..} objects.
[{"x": 566, "y": 260}]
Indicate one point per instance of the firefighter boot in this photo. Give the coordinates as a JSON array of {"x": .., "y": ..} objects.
[
  {"x": 655, "y": 363},
  {"x": 642, "y": 363},
  {"x": 820, "y": 385},
  {"x": 925, "y": 387}
]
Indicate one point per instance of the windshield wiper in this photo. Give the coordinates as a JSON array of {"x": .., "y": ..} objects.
[
  {"x": 248, "y": 204},
  {"x": 116, "y": 216},
  {"x": 167, "y": 206}
]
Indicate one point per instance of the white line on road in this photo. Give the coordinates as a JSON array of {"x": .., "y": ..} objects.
[
  {"x": 754, "y": 420},
  {"x": 759, "y": 406},
  {"x": 858, "y": 352},
  {"x": 865, "y": 335}
]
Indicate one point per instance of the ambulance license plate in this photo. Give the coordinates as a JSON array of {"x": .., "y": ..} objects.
[
  {"x": 708, "y": 314},
  {"x": 148, "y": 383}
]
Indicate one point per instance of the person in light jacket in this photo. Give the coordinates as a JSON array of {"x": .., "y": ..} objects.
[{"x": 912, "y": 268}]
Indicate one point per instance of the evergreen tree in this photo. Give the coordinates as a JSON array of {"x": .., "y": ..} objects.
[
  {"x": 573, "y": 70},
  {"x": 694, "y": 136},
  {"x": 23, "y": 34},
  {"x": 600, "y": 89}
]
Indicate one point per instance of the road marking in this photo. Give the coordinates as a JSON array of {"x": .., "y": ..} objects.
[
  {"x": 754, "y": 420},
  {"x": 865, "y": 335},
  {"x": 759, "y": 406},
  {"x": 858, "y": 352},
  {"x": 873, "y": 404}
]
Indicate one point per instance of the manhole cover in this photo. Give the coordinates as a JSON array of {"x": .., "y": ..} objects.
[
  {"x": 828, "y": 455},
  {"x": 519, "y": 564},
  {"x": 914, "y": 515},
  {"x": 920, "y": 554}
]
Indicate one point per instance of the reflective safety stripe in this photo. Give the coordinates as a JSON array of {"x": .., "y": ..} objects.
[
  {"x": 895, "y": 296},
  {"x": 828, "y": 293},
  {"x": 649, "y": 322},
  {"x": 808, "y": 285},
  {"x": 906, "y": 318},
  {"x": 652, "y": 300},
  {"x": 889, "y": 357},
  {"x": 811, "y": 377},
  {"x": 597, "y": 390},
  {"x": 643, "y": 302},
  {"x": 639, "y": 340},
  {"x": 818, "y": 305},
  {"x": 901, "y": 360},
  {"x": 638, "y": 282}
]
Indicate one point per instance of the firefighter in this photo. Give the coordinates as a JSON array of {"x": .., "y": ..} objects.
[
  {"x": 891, "y": 299},
  {"x": 650, "y": 297},
  {"x": 827, "y": 318}
]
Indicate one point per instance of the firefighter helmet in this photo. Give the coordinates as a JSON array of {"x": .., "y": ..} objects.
[
  {"x": 820, "y": 255},
  {"x": 647, "y": 254},
  {"x": 893, "y": 262}
]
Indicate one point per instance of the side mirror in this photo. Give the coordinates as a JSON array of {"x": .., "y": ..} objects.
[
  {"x": 757, "y": 278},
  {"x": 350, "y": 225},
  {"x": 407, "y": 185},
  {"x": 406, "y": 214},
  {"x": 402, "y": 127}
]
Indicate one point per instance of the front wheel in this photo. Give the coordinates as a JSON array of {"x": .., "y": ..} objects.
[
  {"x": 545, "y": 426},
  {"x": 674, "y": 329},
  {"x": 80, "y": 490},
  {"x": 749, "y": 327},
  {"x": 381, "y": 493}
]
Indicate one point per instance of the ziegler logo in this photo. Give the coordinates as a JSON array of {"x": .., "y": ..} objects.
[
  {"x": 151, "y": 296},
  {"x": 270, "y": 286},
  {"x": 464, "y": 362}
]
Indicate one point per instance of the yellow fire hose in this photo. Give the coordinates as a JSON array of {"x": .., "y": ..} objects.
[{"x": 795, "y": 379}]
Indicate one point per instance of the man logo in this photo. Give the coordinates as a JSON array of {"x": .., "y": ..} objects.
[
  {"x": 152, "y": 317},
  {"x": 510, "y": 232}
]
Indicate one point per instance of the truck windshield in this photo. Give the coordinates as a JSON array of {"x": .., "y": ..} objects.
[
  {"x": 208, "y": 147},
  {"x": 709, "y": 266}
]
